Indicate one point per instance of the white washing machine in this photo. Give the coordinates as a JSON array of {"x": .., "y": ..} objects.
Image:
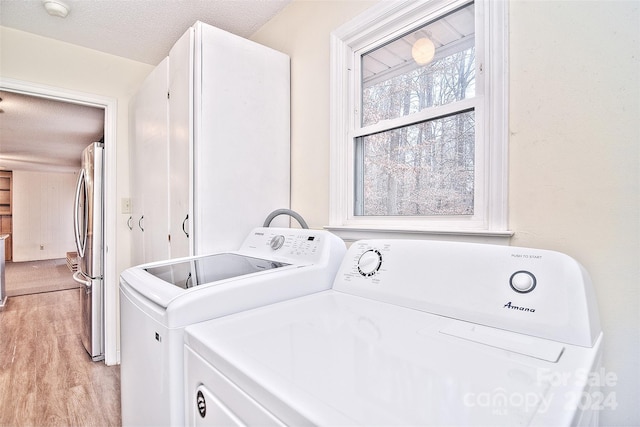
[
  {"x": 412, "y": 333},
  {"x": 158, "y": 300}
]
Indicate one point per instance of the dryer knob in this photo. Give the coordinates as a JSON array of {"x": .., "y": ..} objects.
[
  {"x": 369, "y": 262},
  {"x": 277, "y": 242}
]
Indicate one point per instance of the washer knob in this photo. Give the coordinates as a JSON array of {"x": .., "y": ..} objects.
[
  {"x": 369, "y": 262},
  {"x": 277, "y": 242},
  {"x": 522, "y": 282}
]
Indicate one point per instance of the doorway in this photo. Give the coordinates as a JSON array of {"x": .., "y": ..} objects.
[{"x": 109, "y": 261}]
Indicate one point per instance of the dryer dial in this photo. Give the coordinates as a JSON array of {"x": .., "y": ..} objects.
[{"x": 369, "y": 262}]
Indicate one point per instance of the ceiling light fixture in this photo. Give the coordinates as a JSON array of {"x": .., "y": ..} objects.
[
  {"x": 423, "y": 51},
  {"x": 56, "y": 8}
]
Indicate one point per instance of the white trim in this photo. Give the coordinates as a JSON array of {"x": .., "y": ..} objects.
[
  {"x": 418, "y": 117},
  {"x": 352, "y": 234},
  {"x": 381, "y": 23},
  {"x": 497, "y": 21},
  {"x": 110, "y": 129}
]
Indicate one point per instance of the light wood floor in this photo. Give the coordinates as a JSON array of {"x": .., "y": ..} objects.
[{"x": 46, "y": 376}]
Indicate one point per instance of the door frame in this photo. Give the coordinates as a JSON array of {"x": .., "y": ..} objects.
[{"x": 109, "y": 105}]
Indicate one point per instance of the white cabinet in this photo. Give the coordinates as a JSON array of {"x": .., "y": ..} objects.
[
  {"x": 227, "y": 135},
  {"x": 241, "y": 162},
  {"x": 149, "y": 172},
  {"x": 180, "y": 145}
]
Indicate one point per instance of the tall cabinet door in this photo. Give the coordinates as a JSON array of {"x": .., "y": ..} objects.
[
  {"x": 226, "y": 132},
  {"x": 180, "y": 143},
  {"x": 136, "y": 130},
  {"x": 149, "y": 173},
  {"x": 241, "y": 137}
]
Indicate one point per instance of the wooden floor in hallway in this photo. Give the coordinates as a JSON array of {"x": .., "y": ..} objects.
[{"x": 46, "y": 376}]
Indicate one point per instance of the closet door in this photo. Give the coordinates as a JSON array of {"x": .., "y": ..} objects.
[
  {"x": 149, "y": 172},
  {"x": 180, "y": 145},
  {"x": 136, "y": 131},
  {"x": 241, "y": 137}
]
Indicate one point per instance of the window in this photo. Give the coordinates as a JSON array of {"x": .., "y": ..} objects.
[{"x": 418, "y": 116}]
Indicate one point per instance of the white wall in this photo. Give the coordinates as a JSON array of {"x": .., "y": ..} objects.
[
  {"x": 42, "y": 215},
  {"x": 574, "y": 146},
  {"x": 575, "y": 160}
]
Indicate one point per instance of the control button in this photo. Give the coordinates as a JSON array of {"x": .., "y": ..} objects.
[
  {"x": 277, "y": 242},
  {"x": 369, "y": 262},
  {"x": 522, "y": 282}
]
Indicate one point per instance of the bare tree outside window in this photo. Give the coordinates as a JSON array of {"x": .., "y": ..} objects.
[{"x": 423, "y": 168}]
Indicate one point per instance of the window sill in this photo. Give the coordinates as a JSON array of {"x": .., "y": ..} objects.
[{"x": 351, "y": 234}]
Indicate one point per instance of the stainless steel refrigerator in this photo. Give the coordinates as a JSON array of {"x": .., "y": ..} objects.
[{"x": 89, "y": 231}]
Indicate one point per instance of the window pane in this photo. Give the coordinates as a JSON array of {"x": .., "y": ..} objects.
[
  {"x": 432, "y": 66},
  {"x": 418, "y": 170}
]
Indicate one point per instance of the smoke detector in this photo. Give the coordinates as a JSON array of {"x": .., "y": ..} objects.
[{"x": 56, "y": 8}]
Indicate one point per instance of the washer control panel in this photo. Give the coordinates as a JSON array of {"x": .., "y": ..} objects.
[
  {"x": 295, "y": 244},
  {"x": 288, "y": 244}
]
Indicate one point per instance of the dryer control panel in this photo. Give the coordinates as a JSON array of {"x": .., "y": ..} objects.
[{"x": 531, "y": 291}]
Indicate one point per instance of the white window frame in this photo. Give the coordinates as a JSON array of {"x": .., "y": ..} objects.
[{"x": 383, "y": 23}]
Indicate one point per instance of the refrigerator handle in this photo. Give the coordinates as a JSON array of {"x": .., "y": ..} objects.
[
  {"x": 80, "y": 243},
  {"x": 78, "y": 277}
]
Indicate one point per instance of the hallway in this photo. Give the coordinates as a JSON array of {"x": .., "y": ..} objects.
[
  {"x": 46, "y": 377},
  {"x": 34, "y": 277}
]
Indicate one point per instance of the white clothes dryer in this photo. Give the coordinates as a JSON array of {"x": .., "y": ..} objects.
[
  {"x": 158, "y": 300},
  {"x": 413, "y": 333}
]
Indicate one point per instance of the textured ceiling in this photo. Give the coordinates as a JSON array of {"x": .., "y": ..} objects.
[
  {"x": 142, "y": 30},
  {"x": 41, "y": 134}
]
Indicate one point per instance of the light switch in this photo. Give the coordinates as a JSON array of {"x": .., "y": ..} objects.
[{"x": 126, "y": 205}]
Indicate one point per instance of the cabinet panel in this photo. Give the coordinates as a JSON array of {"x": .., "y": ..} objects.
[
  {"x": 149, "y": 168},
  {"x": 6, "y": 226},
  {"x": 180, "y": 143},
  {"x": 8, "y": 248},
  {"x": 135, "y": 173},
  {"x": 241, "y": 140},
  {"x": 228, "y": 159},
  {"x": 5, "y": 192}
]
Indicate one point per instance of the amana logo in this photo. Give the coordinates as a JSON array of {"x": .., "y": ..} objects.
[{"x": 515, "y": 307}]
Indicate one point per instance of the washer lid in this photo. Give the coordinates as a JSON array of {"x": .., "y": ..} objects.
[
  {"x": 337, "y": 359},
  {"x": 162, "y": 282},
  {"x": 212, "y": 268}
]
